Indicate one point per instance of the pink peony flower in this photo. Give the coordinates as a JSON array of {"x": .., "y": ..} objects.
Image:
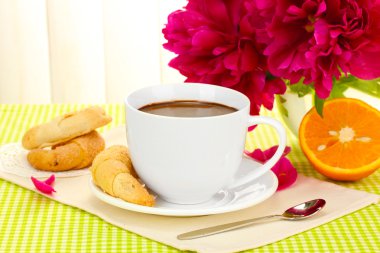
[
  {"x": 284, "y": 170},
  {"x": 319, "y": 39},
  {"x": 222, "y": 42}
]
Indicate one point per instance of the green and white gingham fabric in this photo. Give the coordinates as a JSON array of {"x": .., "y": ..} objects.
[{"x": 30, "y": 222}]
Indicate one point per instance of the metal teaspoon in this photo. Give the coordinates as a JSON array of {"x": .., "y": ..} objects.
[{"x": 298, "y": 212}]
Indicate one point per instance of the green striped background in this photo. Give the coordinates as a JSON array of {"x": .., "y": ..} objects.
[{"x": 30, "y": 222}]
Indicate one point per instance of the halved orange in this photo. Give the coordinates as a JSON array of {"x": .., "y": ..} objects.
[{"x": 344, "y": 144}]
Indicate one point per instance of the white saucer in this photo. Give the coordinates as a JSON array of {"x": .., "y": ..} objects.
[{"x": 224, "y": 201}]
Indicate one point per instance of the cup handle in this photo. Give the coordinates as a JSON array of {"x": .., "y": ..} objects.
[{"x": 281, "y": 132}]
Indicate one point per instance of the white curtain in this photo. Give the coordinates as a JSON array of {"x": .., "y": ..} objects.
[{"x": 82, "y": 51}]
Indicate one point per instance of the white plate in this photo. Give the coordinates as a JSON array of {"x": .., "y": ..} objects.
[{"x": 227, "y": 200}]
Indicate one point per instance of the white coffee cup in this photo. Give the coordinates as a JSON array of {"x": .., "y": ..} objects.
[{"x": 188, "y": 160}]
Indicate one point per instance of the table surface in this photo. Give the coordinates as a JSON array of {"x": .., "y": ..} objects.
[{"x": 29, "y": 222}]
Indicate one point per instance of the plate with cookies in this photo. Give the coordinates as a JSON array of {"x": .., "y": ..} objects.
[{"x": 66, "y": 145}]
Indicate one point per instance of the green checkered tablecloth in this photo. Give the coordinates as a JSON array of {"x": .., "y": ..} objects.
[{"x": 30, "y": 222}]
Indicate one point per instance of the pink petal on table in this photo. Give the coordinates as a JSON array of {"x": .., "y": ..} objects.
[
  {"x": 270, "y": 152},
  {"x": 285, "y": 172},
  {"x": 284, "y": 169},
  {"x": 42, "y": 186},
  {"x": 263, "y": 156},
  {"x": 251, "y": 128},
  {"x": 50, "y": 180},
  {"x": 257, "y": 154}
]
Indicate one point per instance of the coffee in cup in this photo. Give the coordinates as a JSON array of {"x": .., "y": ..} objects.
[{"x": 187, "y": 108}]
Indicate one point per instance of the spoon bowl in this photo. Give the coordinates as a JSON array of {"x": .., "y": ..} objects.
[
  {"x": 297, "y": 212},
  {"x": 304, "y": 210}
]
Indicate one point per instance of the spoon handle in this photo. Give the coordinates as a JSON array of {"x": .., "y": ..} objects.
[{"x": 222, "y": 228}]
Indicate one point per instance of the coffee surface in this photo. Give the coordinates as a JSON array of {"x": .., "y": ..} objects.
[{"x": 187, "y": 108}]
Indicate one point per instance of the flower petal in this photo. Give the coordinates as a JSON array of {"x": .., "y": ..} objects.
[
  {"x": 42, "y": 186},
  {"x": 270, "y": 152},
  {"x": 50, "y": 180},
  {"x": 258, "y": 155},
  {"x": 284, "y": 170},
  {"x": 251, "y": 128}
]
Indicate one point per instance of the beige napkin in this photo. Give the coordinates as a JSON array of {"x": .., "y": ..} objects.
[{"x": 340, "y": 201}]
